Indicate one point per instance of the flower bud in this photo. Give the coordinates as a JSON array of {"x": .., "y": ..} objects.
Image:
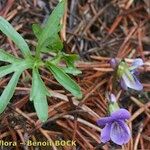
[
  {"x": 113, "y": 63},
  {"x": 113, "y": 105}
]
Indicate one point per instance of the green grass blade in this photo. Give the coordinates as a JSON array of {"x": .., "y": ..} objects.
[
  {"x": 38, "y": 96},
  {"x": 65, "y": 80},
  {"x": 10, "y": 32},
  {"x": 6, "y": 57},
  {"x": 9, "y": 91}
]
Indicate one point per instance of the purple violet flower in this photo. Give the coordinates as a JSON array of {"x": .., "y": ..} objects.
[
  {"x": 115, "y": 128},
  {"x": 127, "y": 75}
]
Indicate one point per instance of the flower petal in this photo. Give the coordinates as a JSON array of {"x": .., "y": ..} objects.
[
  {"x": 112, "y": 98},
  {"x": 105, "y": 133},
  {"x": 136, "y": 63},
  {"x": 120, "y": 133},
  {"x": 138, "y": 84},
  {"x": 135, "y": 84},
  {"x": 123, "y": 85},
  {"x": 103, "y": 121},
  {"x": 127, "y": 129},
  {"x": 121, "y": 114}
]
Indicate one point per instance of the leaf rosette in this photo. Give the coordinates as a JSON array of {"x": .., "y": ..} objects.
[{"x": 48, "y": 41}]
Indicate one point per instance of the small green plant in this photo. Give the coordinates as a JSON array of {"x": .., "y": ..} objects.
[{"x": 48, "y": 40}]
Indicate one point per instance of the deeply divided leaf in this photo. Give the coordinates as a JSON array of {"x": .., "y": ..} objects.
[
  {"x": 53, "y": 43},
  {"x": 72, "y": 70},
  {"x": 52, "y": 26},
  {"x": 9, "y": 91},
  {"x": 19, "y": 65},
  {"x": 65, "y": 80},
  {"x": 38, "y": 96},
  {"x": 70, "y": 60},
  {"x": 37, "y": 30},
  {"x": 4, "y": 70},
  {"x": 6, "y": 57},
  {"x": 10, "y": 32}
]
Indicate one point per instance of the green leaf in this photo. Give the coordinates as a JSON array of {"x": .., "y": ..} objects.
[
  {"x": 56, "y": 59},
  {"x": 65, "y": 80},
  {"x": 17, "y": 66},
  {"x": 38, "y": 96},
  {"x": 4, "y": 70},
  {"x": 52, "y": 26},
  {"x": 53, "y": 43},
  {"x": 37, "y": 30},
  {"x": 9, "y": 91},
  {"x": 6, "y": 57},
  {"x": 72, "y": 70},
  {"x": 70, "y": 59},
  {"x": 10, "y": 32}
]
